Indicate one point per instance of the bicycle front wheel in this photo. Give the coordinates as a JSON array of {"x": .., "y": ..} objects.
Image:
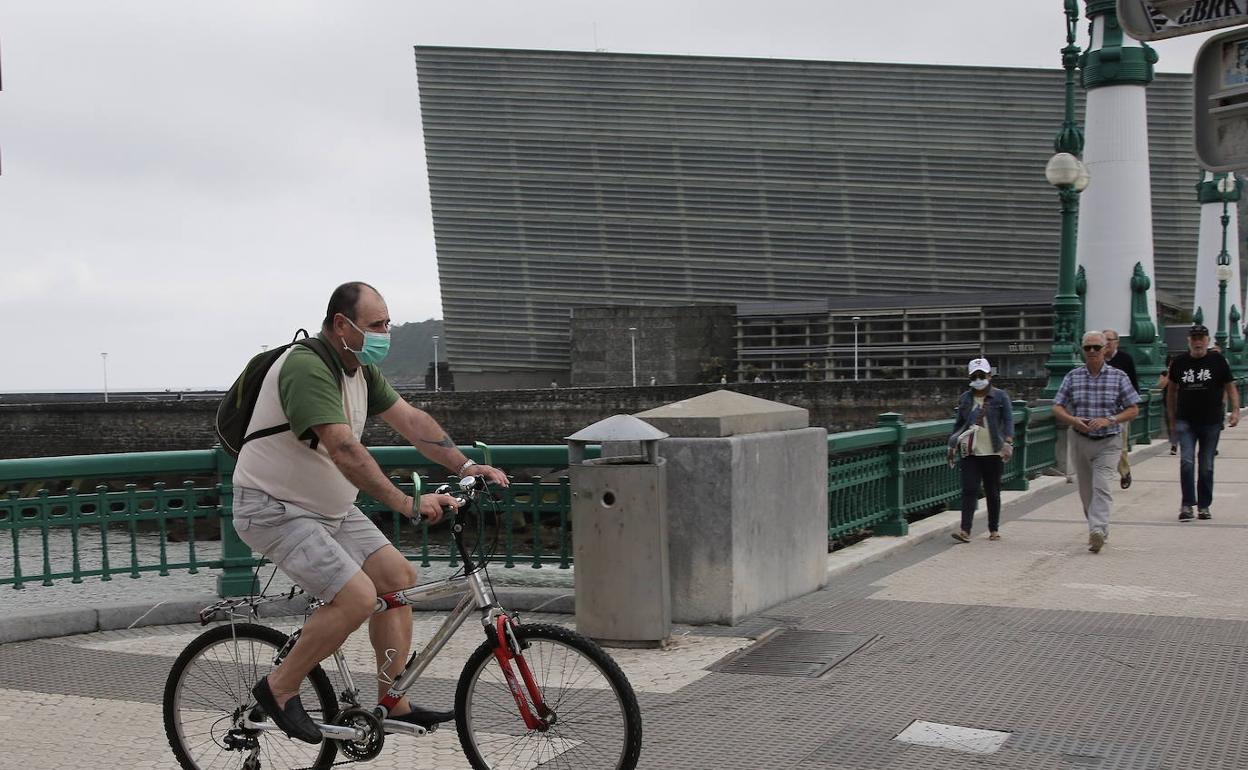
[
  {"x": 597, "y": 723},
  {"x": 208, "y": 693}
]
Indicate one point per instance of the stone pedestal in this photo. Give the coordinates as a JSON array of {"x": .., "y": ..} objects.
[{"x": 747, "y": 504}]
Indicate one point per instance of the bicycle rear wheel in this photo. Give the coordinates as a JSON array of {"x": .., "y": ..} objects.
[
  {"x": 597, "y": 724},
  {"x": 208, "y": 692}
]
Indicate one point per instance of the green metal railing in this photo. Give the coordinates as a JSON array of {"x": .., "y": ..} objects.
[
  {"x": 880, "y": 477},
  {"x": 1152, "y": 419},
  {"x": 112, "y": 515},
  {"x": 106, "y": 515}
]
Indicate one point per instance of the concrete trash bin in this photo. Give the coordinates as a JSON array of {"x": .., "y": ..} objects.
[{"x": 619, "y": 534}]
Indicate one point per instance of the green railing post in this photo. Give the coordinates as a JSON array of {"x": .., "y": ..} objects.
[
  {"x": 895, "y": 489},
  {"x": 1018, "y": 480},
  {"x": 238, "y": 577},
  {"x": 1153, "y": 414}
]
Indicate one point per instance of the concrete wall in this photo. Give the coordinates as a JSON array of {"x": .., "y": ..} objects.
[
  {"x": 747, "y": 522},
  {"x": 496, "y": 417},
  {"x": 672, "y": 343}
]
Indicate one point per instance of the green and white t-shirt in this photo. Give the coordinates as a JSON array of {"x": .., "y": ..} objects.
[{"x": 300, "y": 389}]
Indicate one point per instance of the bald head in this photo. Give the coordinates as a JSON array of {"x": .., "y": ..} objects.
[{"x": 346, "y": 300}]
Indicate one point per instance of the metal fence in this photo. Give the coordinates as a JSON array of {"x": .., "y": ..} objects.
[
  {"x": 106, "y": 515},
  {"x": 882, "y": 477},
  {"x": 153, "y": 512}
]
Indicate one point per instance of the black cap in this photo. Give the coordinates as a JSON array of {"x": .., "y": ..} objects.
[{"x": 1198, "y": 330}]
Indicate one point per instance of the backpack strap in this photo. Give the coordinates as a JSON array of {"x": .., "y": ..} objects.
[
  {"x": 327, "y": 356},
  {"x": 316, "y": 345},
  {"x": 273, "y": 431}
]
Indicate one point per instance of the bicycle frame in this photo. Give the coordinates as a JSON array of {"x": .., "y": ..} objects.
[{"x": 475, "y": 596}]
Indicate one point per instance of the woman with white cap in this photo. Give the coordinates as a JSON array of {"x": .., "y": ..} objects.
[{"x": 982, "y": 441}]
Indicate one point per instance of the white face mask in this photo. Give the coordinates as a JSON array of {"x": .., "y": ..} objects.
[{"x": 979, "y": 384}]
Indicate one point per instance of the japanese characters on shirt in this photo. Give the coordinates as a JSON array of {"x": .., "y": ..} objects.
[{"x": 1196, "y": 375}]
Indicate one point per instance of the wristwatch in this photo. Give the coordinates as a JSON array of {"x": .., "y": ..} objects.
[{"x": 467, "y": 464}]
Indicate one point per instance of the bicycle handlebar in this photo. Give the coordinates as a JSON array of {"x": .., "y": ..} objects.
[{"x": 465, "y": 491}]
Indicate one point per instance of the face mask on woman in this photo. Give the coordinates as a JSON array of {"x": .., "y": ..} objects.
[{"x": 979, "y": 383}]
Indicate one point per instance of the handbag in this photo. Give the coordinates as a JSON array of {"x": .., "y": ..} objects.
[{"x": 966, "y": 439}]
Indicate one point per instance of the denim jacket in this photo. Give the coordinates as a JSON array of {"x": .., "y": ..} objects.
[{"x": 1000, "y": 419}]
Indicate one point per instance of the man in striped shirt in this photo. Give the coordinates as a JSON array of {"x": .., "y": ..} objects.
[{"x": 1095, "y": 401}]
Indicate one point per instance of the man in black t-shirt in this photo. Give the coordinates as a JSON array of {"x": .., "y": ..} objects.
[{"x": 1199, "y": 380}]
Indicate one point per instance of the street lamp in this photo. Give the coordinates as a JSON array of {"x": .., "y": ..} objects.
[
  {"x": 1226, "y": 188},
  {"x": 436, "y": 387},
  {"x": 1068, "y": 174},
  {"x": 855, "y": 319},
  {"x": 104, "y": 359},
  {"x": 632, "y": 341}
]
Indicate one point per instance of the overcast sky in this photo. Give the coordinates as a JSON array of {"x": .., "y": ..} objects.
[{"x": 185, "y": 182}]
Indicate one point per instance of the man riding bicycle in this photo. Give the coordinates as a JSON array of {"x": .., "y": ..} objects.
[{"x": 295, "y": 490}]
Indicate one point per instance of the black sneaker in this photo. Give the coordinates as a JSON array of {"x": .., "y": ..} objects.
[
  {"x": 1185, "y": 513},
  {"x": 1204, "y": 514},
  {"x": 1174, "y": 450},
  {"x": 1126, "y": 481},
  {"x": 292, "y": 718},
  {"x": 425, "y": 718}
]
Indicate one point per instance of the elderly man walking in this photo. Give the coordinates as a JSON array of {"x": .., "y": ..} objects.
[{"x": 1096, "y": 400}]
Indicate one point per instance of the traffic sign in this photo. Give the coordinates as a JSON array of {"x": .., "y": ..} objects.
[
  {"x": 1220, "y": 99},
  {"x": 1160, "y": 19}
]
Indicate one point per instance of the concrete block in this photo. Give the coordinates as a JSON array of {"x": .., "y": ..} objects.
[
  {"x": 39, "y": 625},
  {"x": 725, "y": 413},
  {"x": 747, "y": 519}
]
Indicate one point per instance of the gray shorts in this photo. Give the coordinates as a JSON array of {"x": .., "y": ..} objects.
[{"x": 320, "y": 554}]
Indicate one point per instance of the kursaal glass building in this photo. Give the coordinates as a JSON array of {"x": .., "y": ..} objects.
[{"x": 566, "y": 179}]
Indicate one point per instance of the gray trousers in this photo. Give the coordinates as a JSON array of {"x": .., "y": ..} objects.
[{"x": 1096, "y": 467}]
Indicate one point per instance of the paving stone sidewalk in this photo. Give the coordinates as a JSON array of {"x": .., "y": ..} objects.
[{"x": 1134, "y": 658}]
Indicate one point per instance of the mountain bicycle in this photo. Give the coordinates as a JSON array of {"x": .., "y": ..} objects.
[{"x": 531, "y": 695}]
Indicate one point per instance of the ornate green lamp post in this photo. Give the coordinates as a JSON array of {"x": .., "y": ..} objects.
[
  {"x": 1226, "y": 188},
  {"x": 1067, "y": 173}
]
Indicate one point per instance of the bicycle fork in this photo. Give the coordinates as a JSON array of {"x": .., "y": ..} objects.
[{"x": 507, "y": 649}]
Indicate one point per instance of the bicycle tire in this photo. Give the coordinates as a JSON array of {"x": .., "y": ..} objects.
[
  {"x": 599, "y": 722},
  {"x": 209, "y": 687}
]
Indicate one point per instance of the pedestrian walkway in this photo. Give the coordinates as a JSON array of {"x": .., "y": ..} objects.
[{"x": 1029, "y": 653}]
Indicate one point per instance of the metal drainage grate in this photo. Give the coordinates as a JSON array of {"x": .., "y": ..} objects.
[{"x": 794, "y": 653}]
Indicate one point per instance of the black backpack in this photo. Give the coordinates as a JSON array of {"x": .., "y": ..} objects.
[{"x": 236, "y": 407}]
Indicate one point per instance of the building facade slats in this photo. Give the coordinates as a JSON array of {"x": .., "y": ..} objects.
[{"x": 573, "y": 179}]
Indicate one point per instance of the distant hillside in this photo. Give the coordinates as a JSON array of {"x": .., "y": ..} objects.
[{"x": 411, "y": 351}]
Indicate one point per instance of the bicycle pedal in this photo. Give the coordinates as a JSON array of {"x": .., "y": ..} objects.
[{"x": 393, "y": 726}]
